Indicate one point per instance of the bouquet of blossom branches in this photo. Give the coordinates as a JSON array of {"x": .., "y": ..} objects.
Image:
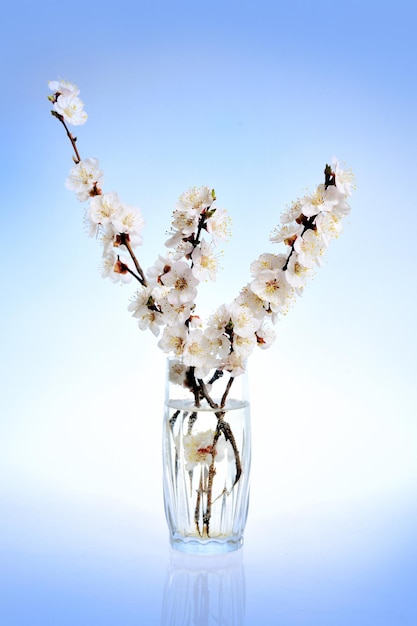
[
  {"x": 165, "y": 302},
  {"x": 199, "y": 442}
]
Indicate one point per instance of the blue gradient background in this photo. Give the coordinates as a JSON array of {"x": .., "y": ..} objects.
[{"x": 253, "y": 99}]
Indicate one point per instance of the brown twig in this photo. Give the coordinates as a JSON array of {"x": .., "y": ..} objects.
[
  {"x": 197, "y": 506},
  {"x": 226, "y": 392},
  {"x": 205, "y": 394},
  {"x": 125, "y": 241},
  {"x": 199, "y": 389},
  {"x": 71, "y": 137},
  {"x": 194, "y": 386},
  {"x": 228, "y": 433},
  {"x": 212, "y": 473}
]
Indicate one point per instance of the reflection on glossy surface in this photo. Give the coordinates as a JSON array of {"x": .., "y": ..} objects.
[{"x": 204, "y": 590}]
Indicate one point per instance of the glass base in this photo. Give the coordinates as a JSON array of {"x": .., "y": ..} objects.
[{"x": 191, "y": 545}]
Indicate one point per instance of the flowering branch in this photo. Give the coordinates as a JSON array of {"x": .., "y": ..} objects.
[{"x": 166, "y": 301}]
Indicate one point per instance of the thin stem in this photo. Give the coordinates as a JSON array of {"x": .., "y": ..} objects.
[
  {"x": 173, "y": 418},
  {"x": 195, "y": 388},
  {"x": 217, "y": 374},
  {"x": 132, "y": 273},
  {"x": 194, "y": 239},
  {"x": 71, "y": 137},
  {"x": 197, "y": 506},
  {"x": 329, "y": 177},
  {"x": 206, "y": 394},
  {"x": 212, "y": 472},
  {"x": 201, "y": 223},
  {"x": 125, "y": 240},
  {"x": 228, "y": 433},
  {"x": 226, "y": 392},
  {"x": 308, "y": 224},
  {"x": 222, "y": 427},
  {"x": 191, "y": 421}
]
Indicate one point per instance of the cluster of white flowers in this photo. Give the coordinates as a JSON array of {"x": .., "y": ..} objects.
[
  {"x": 67, "y": 103},
  {"x": 166, "y": 300}
]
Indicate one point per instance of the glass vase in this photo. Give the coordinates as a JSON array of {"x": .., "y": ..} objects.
[{"x": 206, "y": 459}]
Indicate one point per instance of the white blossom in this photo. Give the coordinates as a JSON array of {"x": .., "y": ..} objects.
[
  {"x": 198, "y": 449},
  {"x": 173, "y": 339},
  {"x": 184, "y": 224},
  {"x": 161, "y": 266},
  {"x": 244, "y": 322},
  {"x": 235, "y": 364},
  {"x": 341, "y": 206},
  {"x": 254, "y": 303},
  {"x": 83, "y": 178},
  {"x": 297, "y": 274},
  {"x": 103, "y": 208},
  {"x": 219, "y": 346},
  {"x": 218, "y": 322},
  {"x": 319, "y": 201},
  {"x": 205, "y": 262},
  {"x": 143, "y": 308},
  {"x": 218, "y": 225},
  {"x": 115, "y": 267},
  {"x": 292, "y": 213},
  {"x": 310, "y": 248},
  {"x": 107, "y": 235},
  {"x": 71, "y": 108},
  {"x": 178, "y": 313},
  {"x": 197, "y": 349},
  {"x": 196, "y": 198},
  {"x": 63, "y": 87},
  {"x": 265, "y": 336},
  {"x": 152, "y": 320},
  {"x": 140, "y": 301},
  {"x": 286, "y": 232},
  {"x": 182, "y": 282},
  {"x": 185, "y": 221},
  {"x": 178, "y": 373},
  {"x": 128, "y": 220},
  {"x": 244, "y": 346},
  {"x": 267, "y": 261},
  {"x": 329, "y": 226},
  {"x": 345, "y": 179},
  {"x": 272, "y": 287}
]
